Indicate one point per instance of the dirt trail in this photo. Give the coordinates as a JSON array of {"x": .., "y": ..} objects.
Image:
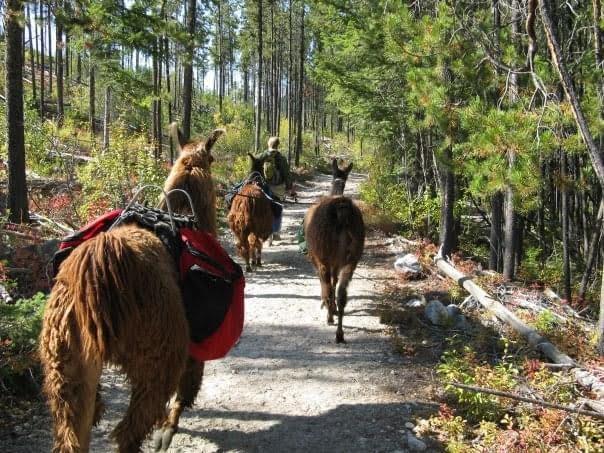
[{"x": 287, "y": 386}]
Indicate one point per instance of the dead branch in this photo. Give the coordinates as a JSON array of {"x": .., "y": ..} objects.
[{"x": 516, "y": 397}]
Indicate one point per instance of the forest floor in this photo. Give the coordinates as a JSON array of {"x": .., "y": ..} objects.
[{"x": 287, "y": 386}]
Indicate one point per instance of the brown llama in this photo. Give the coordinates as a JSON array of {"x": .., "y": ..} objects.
[
  {"x": 335, "y": 237},
  {"x": 251, "y": 218},
  {"x": 117, "y": 300}
]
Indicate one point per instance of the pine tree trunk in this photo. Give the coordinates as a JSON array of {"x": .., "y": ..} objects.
[
  {"x": 565, "y": 233},
  {"x": 49, "y": 54},
  {"x": 17, "y": 184},
  {"x": 300, "y": 111},
  {"x": 59, "y": 66},
  {"x": 31, "y": 55},
  {"x": 259, "y": 82},
  {"x": 495, "y": 236},
  {"x": 508, "y": 233},
  {"x": 187, "y": 92},
  {"x": 595, "y": 155},
  {"x": 106, "y": 118},
  {"x": 42, "y": 67},
  {"x": 592, "y": 252},
  {"x": 91, "y": 99},
  {"x": 447, "y": 221}
]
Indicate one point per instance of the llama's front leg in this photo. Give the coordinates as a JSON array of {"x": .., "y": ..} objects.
[{"x": 188, "y": 388}]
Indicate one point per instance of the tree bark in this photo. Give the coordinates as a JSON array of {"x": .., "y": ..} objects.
[
  {"x": 106, "y": 118},
  {"x": 447, "y": 221},
  {"x": 300, "y": 101},
  {"x": 592, "y": 252},
  {"x": 59, "y": 67},
  {"x": 42, "y": 68},
  {"x": 495, "y": 236},
  {"x": 31, "y": 55},
  {"x": 17, "y": 184},
  {"x": 259, "y": 82},
  {"x": 91, "y": 99},
  {"x": 596, "y": 157},
  {"x": 565, "y": 233},
  {"x": 187, "y": 91}
]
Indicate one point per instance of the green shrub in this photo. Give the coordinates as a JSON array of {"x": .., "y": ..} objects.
[
  {"x": 20, "y": 326},
  {"x": 111, "y": 178}
]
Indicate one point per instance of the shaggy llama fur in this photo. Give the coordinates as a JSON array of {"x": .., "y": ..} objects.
[
  {"x": 117, "y": 300},
  {"x": 251, "y": 220},
  {"x": 335, "y": 236}
]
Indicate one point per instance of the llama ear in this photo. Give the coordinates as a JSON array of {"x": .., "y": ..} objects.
[
  {"x": 347, "y": 170},
  {"x": 334, "y": 165},
  {"x": 216, "y": 133},
  {"x": 177, "y": 138},
  {"x": 251, "y": 157}
]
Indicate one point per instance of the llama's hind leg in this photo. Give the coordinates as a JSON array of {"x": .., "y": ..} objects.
[
  {"x": 258, "y": 244},
  {"x": 244, "y": 250},
  {"x": 342, "y": 296},
  {"x": 327, "y": 290},
  {"x": 147, "y": 407},
  {"x": 188, "y": 388},
  {"x": 70, "y": 384}
]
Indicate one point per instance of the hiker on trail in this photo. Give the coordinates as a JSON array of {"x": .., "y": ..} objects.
[
  {"x": 276, "y": 173},
  {"x": 276, "y": 169}
]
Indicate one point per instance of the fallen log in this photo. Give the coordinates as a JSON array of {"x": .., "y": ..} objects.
[
  {"x": 513, "y": 396},
  {"x": 584, "y": 377},
  {"x": 534, "y": 338}
]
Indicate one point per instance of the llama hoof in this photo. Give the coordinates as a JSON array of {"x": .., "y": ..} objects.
[
  {"x": 248, "y": 268},
  {"x": 258, "y": 264},
  {"x": 162, "y": 438},
  {"x": 340, "y": 337},
  {"x": 330, "y": 322}
]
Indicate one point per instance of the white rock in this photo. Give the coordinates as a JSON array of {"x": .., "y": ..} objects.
[
  {"x": 414, "y": 443},
  {"x": 409, "y": 425},
  {"x": 408, "y": 264},
  {"x": 437, "y": 313},
  {"x": 415, "y": 303}
]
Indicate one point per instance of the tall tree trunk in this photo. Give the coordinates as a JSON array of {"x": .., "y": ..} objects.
[
  {"x": 91, "y": 98},
  {"x": 495, "y": 236},
  {"x": 592, "y": 252},
  {"x": 42, "y": 67},
  {"x": 49, "y": 23},
  {"x": 300, "y": 111},
  {"x": 596, "y": 157},
  {"x": 187, "y": 94},
  {"x": 106, "y": 118},
  {"x": 565, "y": 233},
  {"x": 31, "y": 55},
  {"x": 17, "y": 184},
  {"x": 509, "y": 230},
  {"x": 290, "y": 79},
  {"x": 447, "y": 221},
  {"x": 220, "y": 58},
  {"x": 59, "y": 66},
  {"x": 259, "y": 82}
]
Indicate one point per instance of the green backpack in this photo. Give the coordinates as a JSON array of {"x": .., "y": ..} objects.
[{"x": 271, "y": 170}]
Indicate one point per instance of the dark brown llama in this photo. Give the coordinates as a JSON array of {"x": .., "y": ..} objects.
[
  {"x": 251, "y": 218},
  {"x": 335, "y": 236},
  {"x": 117, "y": 300}
]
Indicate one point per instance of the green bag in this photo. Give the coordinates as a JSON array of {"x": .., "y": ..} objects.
[
  {"x": 271, "y": 170},
  {"x": 302, "y": 246}
]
